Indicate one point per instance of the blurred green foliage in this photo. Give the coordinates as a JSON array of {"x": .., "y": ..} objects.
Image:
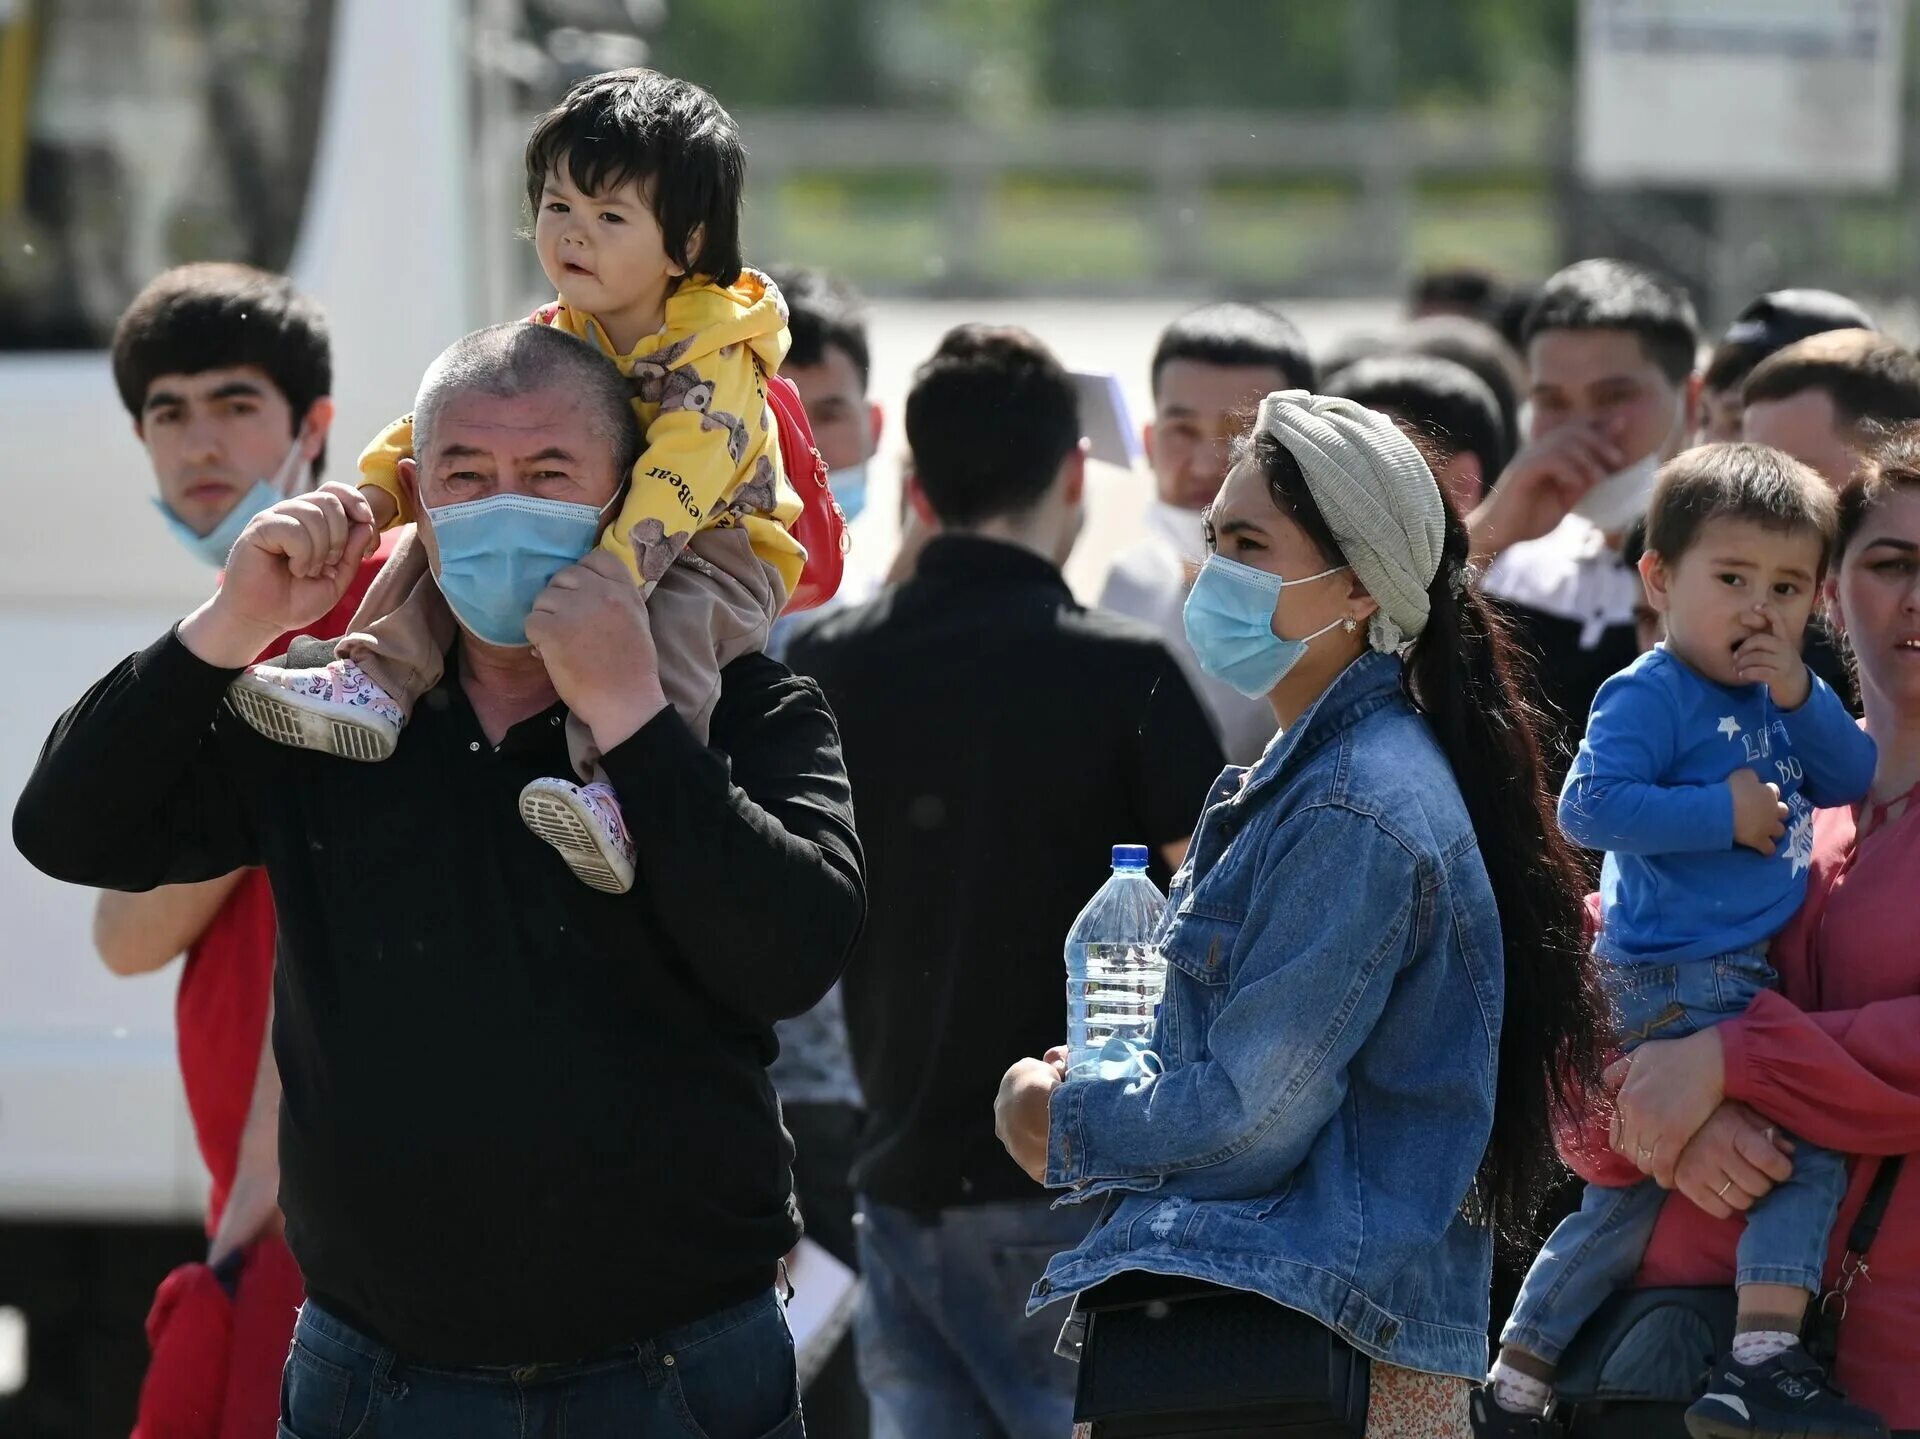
[{"x": 1002, "y": 60}]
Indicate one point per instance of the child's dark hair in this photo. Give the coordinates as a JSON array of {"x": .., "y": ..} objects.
[
  {"x": 990, "y": 418},
  {"x": 214, "y": 316},
  {"x": 1740, "y": 482},
  {"x": 1463, "y": 674},
  {"x": 667, "y": 135},
  {"x": 1614, "y": 295}
]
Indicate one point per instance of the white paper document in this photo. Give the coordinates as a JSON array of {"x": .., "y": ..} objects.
[
  {"x": 824, "y": 1290},
  {"x": 1104, "y": 419}
]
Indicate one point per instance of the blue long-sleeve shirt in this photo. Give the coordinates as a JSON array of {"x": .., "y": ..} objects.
[{"x": 1649, "y": 788}]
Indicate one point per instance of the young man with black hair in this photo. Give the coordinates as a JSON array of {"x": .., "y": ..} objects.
[
  {"x": 227, "y": 375},
  {"x": 1001, "y": 738},
  {"x": 1767, "y": 325},
  {"x": 1211, "y": 368},
  {"x": 829, "y": 363},
  {"x": 1445, "y": 409},
  {"x": 1610, "y": 354}
]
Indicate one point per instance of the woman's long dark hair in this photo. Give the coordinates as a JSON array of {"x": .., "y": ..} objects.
[{"x": 1463, "y": 676}]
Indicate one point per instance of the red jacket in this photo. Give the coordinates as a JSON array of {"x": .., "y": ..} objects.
[
  {"x": 215, "y": 1371},
  {"x": 1835, "y": 1057}
]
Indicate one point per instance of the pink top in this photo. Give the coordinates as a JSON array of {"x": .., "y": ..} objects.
[{"x": 1835, "y": 1057}]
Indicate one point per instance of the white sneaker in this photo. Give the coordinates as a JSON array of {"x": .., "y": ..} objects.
[
  {"x": 337, "y": 709},
  {"x": 583, "y": 822}
]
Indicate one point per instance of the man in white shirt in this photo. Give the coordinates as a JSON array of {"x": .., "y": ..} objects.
[
  {"x": 1612, "y": 392},
  {"x": 1211, "y": 369}
]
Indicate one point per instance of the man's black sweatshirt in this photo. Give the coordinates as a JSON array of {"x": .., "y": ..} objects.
[{"x": 523, "y": 1121}]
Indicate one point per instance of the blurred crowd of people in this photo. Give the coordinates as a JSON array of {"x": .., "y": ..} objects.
[{"x": 1383, "y": 610}]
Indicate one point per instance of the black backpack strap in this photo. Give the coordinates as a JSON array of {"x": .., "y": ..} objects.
[
  {"x": 1866, "y": 1224},
  {"x": 1823, "y": 1326}
]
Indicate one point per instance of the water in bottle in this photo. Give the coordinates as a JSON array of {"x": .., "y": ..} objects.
[{"x": 1115, "y": 973}]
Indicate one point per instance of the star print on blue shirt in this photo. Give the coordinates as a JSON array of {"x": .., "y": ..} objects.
[{"x": 1649, "y": 787}]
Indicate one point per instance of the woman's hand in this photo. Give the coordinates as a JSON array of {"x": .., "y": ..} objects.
[
  {"x": 1733, "y": 1162},
  {"x": 1668, "y": 1088},
  {"x": 1020, "y": 1110}
]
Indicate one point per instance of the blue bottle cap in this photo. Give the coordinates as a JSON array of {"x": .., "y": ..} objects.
[{"x": 1129, "y": 856}]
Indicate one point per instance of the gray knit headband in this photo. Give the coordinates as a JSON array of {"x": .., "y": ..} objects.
[{"x": 1378, "y": 497}]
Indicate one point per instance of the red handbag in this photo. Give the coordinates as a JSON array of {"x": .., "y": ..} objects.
[{"x": 822, "y": 526}]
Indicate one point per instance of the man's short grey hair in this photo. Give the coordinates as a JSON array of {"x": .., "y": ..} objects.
[{"x": 519, "y": 359}]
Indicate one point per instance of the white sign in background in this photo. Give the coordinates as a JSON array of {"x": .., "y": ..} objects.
[{"x": 1801, "y": 94}]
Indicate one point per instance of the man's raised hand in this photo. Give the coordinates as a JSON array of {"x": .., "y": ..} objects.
[
  {"x": 291, "y": 564},
  {"x": 590, "y": 628},
  {"x": 1541, "y": 484}
]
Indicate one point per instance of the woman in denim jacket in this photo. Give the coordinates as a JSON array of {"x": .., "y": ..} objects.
[{"x": 1343, "y": 1119}]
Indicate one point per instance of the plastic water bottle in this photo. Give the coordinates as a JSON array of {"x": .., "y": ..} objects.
[{"x": 1115, "y": 973}]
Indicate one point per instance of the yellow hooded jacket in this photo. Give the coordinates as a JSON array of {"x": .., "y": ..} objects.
[{"x": 712, "y": 456}]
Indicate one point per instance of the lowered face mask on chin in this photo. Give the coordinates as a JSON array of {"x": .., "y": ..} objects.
[
  {"x": 294, "y": 477},
  {"x": 1621, "y": 498},
  {"x": 1613, "y": 505}
]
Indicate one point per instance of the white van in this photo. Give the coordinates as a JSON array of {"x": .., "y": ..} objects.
[{"x": 326, "y": 138}]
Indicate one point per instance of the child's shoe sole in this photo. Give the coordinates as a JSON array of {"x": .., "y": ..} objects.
[
  {"x": 303, "y": 723},
  {"x": 551, "y": 811}
]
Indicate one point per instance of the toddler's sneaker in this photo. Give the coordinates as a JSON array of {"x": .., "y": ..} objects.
[
  {"x": 1787, "y": 1394},
  {"x": 1490, "y": 1421},
  {"x": 336, "y": 708},
  {"x": 583, "y": 822}
]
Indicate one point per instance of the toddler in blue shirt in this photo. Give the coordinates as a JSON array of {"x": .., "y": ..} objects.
[{"x": 1701, "y": 768}]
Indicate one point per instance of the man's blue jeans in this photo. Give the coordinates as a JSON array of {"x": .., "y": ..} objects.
[
  {"x": 728, "y": 1376},
  {"x": 946, "y": 1350},
  {"x": 1597, "y": 1249}
]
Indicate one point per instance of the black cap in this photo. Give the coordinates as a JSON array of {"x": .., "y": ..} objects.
[{"x": 1779, "y": 318}]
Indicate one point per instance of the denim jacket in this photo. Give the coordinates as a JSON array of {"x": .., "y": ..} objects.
[{"x": 1330, "y": 1031}]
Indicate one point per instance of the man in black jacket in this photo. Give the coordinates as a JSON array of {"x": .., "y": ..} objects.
[
  {"x": 1002, "y": 738},
  {"x": 532, "y": 1167}
]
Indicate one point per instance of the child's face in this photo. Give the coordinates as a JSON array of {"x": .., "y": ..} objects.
[
  {"x": 603, "y": 253},
  {"x": 1736, "y": 579}
]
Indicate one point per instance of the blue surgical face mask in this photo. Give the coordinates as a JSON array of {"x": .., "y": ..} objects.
[
  {"x": 292, "y": 478},
  {"x": 497, "y": 554},
  {"x": 849, "y": 487},
  {"x": 1229, "y": 618}
]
